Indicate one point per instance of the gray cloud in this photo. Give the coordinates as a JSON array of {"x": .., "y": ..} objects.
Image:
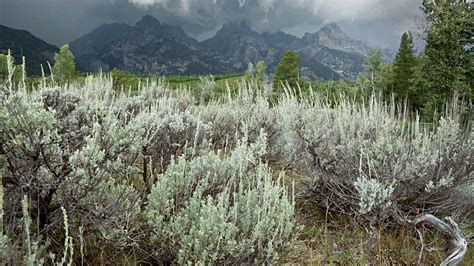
[{"x": 59, "y": 21}]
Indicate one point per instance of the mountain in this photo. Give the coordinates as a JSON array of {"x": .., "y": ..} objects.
[
  {"x": 326, "y": 54},
  {"x": 23, "y": 43},
  {"x": 153, "y": 47},
  {"x": 331, "y": 36},
  {"x": 237, "y": 45},
  {"x": 282, "y": 40},
  {"x": 88, "y": 48},
  {"x": 332, "y": 47},
  {"x": 147, "y": 47}
]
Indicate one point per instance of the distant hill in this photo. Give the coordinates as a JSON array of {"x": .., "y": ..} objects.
[
  {"x": 153, "y": 47},
  {"x": 23, "y": 43}
]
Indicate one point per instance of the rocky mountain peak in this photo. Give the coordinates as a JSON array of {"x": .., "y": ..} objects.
[
  {"x": 333, "y": 37},
  {"x": 329, "y": 33},
  {"x": 147, "y": 47},
  {"x": 332, "y": 29},
  {"x": 154, "y": 47},
  {"x": 148, "y": 22},
  {"x": 236, "y": 27}
]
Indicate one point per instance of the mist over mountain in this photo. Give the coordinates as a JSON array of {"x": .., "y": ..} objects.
[
  {"x": 153, "y": 47},
  {"x": 381, "y": 22}
]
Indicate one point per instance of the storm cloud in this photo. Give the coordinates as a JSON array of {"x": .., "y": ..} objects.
[{"x": 380, "y": 22}]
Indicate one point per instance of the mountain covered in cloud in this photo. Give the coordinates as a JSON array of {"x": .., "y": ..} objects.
[{"x": 157, "y": 48}]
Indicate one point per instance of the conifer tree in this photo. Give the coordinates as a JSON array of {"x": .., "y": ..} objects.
[
  {"x": 3, "y": 67},
  {"x": 287, "y": 71},
  {"x": 403, "y": 68}
]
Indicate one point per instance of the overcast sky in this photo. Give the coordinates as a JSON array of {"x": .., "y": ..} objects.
[{"x": 380, "y": 22}]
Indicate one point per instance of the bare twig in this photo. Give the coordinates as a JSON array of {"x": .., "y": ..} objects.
[{"x": 420, "y": 235}]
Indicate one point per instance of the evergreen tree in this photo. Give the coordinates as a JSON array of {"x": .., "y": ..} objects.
[
  {"x": 64, "y": 69},
  {"x": 249, "y": 74},
  {"x": 287, "y": 71},
  {"x": 447, "y": 64},
  {"x": 404, "y": 68},
  {"x": 261, "y": 70}
]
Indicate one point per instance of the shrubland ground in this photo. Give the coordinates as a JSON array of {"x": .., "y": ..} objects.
[{"x": 91, "y": 174}]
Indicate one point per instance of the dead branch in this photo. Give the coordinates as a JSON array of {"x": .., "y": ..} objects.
[{"x": 457, "y": 246}]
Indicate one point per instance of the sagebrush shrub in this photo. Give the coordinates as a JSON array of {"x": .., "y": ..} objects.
[
  {"x": 72, "y": 156},
  {"x": 370, "y": 160},
  {"x": 194, "y": 180},
  {"x": 220, "y": 210},
  {"x": 92, "y": 151},
  {"x": 246, "y": 114}
]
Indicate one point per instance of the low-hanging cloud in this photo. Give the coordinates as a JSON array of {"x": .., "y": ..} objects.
[
  {"x": 59, "y": 21},
  {"x": 296, "y": 16},
  {"x": 327, "y": 10}
]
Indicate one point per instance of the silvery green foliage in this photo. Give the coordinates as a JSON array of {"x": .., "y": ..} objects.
[
  {"x": 6, "y": 248},
  {"x": 98, "y": 153},
  {"x": 106, "y": 162},
  {"x": 78, "y": 150},
  {"x": 247, "y": 113},
  {"x": 371, "y": 160},
  {"x": 220, "y": 210},
  {"x": 372, "y": 194},
  {"x": 176, "y": 133},
  {"x": 206, "y": 89}
]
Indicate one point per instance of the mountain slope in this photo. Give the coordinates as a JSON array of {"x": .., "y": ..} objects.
[
  {"x": 87, "y": 49},
  {"x": 237, "y": 45},
  {"x": 23, "y": 43},
  {"x": 153, "y": 47},
  {"x": 326, "y": 54},
  {"x": 146, "y": 47},
  {"x": 332, "y": 36},
  {"x": 282, "y": 40}
]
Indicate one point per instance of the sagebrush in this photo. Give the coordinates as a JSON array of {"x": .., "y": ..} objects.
[{"x": 187, "y": 177}]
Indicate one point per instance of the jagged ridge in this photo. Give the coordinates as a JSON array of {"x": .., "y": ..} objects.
[{"x": 153, "y": 47}]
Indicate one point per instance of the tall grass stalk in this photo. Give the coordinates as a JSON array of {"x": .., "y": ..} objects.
[
  {"x": 1, "y": 202},
  {"x": 30, "y": 256}
]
